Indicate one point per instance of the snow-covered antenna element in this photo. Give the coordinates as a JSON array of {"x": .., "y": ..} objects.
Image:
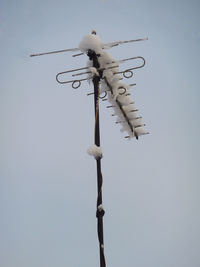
[{"x": 104, "y": 72}]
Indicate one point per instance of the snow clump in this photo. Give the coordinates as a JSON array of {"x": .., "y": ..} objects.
[
  {"x": 95, "y": 151},
  {"x": 91, "y": 41}
]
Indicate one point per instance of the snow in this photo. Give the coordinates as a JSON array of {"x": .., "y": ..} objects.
[
  {"x": 91, "y": 41},
  {"x": 93, "y": 71},
  {"x": 95, "y": 151},
  {"x": 119, "y": 97},
  {"x": 100, "y": 207}
]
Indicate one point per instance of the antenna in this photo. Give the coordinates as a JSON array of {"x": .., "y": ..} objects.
[
  {"x": 106, "y": 45},
  {"x": 107, "y": 78}
]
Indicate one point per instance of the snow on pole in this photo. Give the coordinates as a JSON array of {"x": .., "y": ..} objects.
[{"x": 95, "y": 151}]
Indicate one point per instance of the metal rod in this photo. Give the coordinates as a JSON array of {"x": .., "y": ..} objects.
[
  {"x": 55, "y": 52},
  {"x": 76, "y": 55},
  {"x": 124, "y": 42}
]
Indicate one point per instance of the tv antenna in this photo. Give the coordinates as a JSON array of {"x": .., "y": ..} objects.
[{"x": 107, "y": 78}]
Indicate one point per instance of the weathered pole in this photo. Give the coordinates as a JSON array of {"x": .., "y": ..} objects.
[{"x": 100, "y": 212}]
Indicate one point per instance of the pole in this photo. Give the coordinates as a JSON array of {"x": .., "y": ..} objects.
[{"x": 100, "y": 212}]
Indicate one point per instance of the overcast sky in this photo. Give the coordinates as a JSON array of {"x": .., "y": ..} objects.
[{"x": 47, "y": 180}]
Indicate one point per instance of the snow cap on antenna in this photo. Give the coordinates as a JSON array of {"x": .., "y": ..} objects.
[{"x": 91, "y": 41}]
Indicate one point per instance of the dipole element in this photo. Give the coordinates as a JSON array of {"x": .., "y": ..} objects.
[{"x": 100, "y": 212}]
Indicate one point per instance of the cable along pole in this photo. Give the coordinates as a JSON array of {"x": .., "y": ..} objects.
[{"x": 105, "y": 68}]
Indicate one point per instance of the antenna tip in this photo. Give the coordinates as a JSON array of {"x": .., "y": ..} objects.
[{"x": 94, "y": 32}]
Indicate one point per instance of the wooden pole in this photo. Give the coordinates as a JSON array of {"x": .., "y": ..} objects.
[{"x": 100, "y": 212}]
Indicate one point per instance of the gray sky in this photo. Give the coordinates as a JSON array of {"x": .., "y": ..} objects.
[{"x": 48, "y": 182}]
